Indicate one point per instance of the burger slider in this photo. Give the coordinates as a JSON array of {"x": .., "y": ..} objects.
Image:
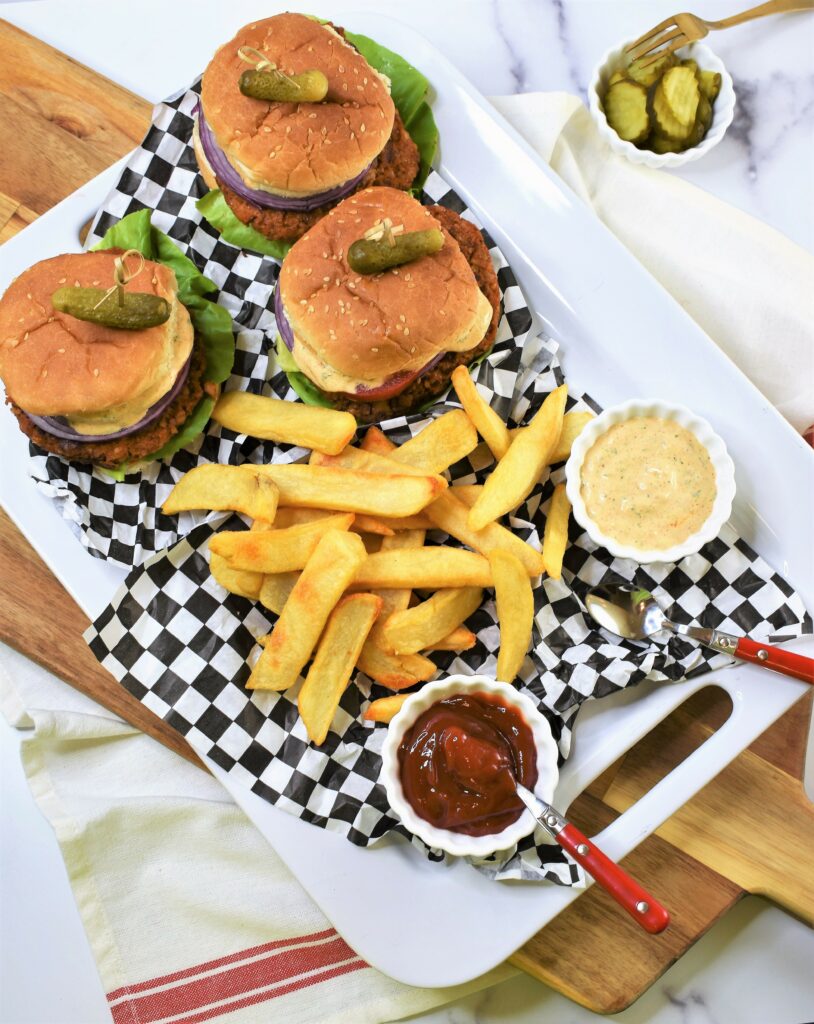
[
  {"x": 292, "y": 119},
  {"x": 379, "y": 302},
  {"x": 99, "y": 356}
]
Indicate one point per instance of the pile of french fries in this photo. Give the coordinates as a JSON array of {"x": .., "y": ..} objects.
[{"x": 337, "y": 550}]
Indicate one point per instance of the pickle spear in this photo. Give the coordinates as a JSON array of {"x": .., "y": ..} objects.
[
  {"x": 372, "y": 256},
  {"x": 308, "y": 87},
  {"x": 137, "y": 311}
]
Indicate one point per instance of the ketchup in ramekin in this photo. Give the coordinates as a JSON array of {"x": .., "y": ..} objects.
[{"x": 458, "y": 760}]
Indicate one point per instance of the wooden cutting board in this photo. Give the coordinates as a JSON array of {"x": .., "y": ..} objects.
[{"x": 699, "y": 863}]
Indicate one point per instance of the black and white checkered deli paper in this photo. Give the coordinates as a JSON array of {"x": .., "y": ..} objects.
[
  {"x": 182, "y": 645},
  {"x": 122, "y": 521}
]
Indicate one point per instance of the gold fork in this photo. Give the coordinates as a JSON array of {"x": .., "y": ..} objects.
[{"x": 681, "y": 29}]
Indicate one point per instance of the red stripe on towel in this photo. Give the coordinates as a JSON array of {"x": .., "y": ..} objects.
[{"x": 234, "y": 979}]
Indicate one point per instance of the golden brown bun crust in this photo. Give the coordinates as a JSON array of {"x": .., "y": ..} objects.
[
  {"x": 369, "y": 327},
  {"x": 54, "y": 364},
  {"x": 432, "y": 383},
  {"x": 291, "y": 147}
]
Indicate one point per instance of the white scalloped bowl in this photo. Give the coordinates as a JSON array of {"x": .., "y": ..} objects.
[
  {"x": 455, "y": 842},
  {"x": 723, "y": 109},
  {"x": 721, "y": 462}
]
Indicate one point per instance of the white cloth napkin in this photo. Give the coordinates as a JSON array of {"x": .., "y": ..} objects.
[
  {"x": 745, "y": 284},
  {"x": 190, "y": 914}
]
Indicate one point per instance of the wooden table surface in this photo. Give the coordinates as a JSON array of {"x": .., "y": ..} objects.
[{"x": 699, "y": 863}]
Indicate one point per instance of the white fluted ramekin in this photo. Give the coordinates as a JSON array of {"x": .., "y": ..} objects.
[
  {"x": 716, "y": 449},
  {"x": 457, "y": 843},
  {"x": 723, "y": 109}
]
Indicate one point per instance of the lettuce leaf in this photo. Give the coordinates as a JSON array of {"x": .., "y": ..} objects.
[
  {"x": 409, "y": 91},
  {"x": 212, "y": 323},
  {"x": 214, "y": 208},
  {"x": 304, "y": 386}
]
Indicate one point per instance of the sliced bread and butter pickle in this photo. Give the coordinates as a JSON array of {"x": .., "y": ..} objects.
[{"x": 665, "y": 107}]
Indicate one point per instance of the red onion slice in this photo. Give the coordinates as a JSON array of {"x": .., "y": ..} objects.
[
  {"x": 59, "y": 427},
  {"x": 392, "y": 386},
  {"x": 219, "y": 163}
]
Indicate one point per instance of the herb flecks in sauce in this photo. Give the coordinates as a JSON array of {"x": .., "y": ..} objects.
[{"x": 648, "y": 483}]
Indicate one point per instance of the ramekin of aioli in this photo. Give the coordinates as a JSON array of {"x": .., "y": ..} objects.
[{"x": 650, "y": 481}]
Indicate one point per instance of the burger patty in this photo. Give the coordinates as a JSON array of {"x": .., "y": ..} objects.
[
  {"x": 396, "y": 166},
  {"x": 436, "y": 380},
  {"x": 134, "y": 446}
]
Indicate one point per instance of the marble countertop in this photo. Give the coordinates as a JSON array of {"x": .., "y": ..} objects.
[{"x": 763, "y": 166}]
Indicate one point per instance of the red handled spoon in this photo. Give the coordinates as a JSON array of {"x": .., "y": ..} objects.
[
  {"x": 633, "y": 613},
  {"x": 647, "y": 912}
]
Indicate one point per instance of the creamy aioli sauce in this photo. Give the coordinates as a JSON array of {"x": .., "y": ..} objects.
[{"x": 648, "y": 482}]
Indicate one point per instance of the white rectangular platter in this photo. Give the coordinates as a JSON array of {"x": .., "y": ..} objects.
[{"x": 622, "y": 336}]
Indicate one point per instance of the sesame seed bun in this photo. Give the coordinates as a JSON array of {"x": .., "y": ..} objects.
[
  {"x": 298, "y": 149},
  {"x": 55, "y": 365},
  {"x": 352, "y": 329}
]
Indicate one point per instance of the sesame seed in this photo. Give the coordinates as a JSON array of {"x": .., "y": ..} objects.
[
  {"x": 403, "y": 318},
  {"x": 363, "y": 323},
  {"x": 95, "y": 373},
  {"x": 307, "y": 272},
  {"x": 341, "y": 69},
  {"x": 374, "y": 350},
  {"x": 351, "y": 284},
  {"x": 266, "y": 128},
  {"x": 406, "y": 331},
  {"x": 62, "y": 280},
  {"x": 288, "y": 130},
  {"x": 45, "y": 373},
  {"x": 60, "y": 350},
  {"x": 75, "y": 284},
  {"x": 361, "y": 127},
  {"x": 310, "y": 309},
  {"x": 326, "y": 279},
  {"x": 412, "y": 349},
  {"x": 303, "y": 302},
  {"x": 30, "y": 296},
  {"x": 344, "y": 86},
  {"x": 364, "y": 81},
  {"x": 312, "y": 117},
  {"x": 25, "y": 336}
]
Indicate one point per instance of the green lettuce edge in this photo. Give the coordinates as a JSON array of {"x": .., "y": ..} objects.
[
  {"x": 212, "y": 322},
  {"x": 409, "y": 88}
]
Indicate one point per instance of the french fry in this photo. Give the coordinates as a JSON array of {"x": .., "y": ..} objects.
[
  {"x": 347, "y": 490},
  {"x": 555, "y": 535},
  {"x": 447, "y": 512},
  {"x": 484, "y": 418},
  {"x": 518, "y": 471},
  {"x": 414, "y": 629},
  {"x": 443, "y": 441},
  {"x": 361, "y": 524},
  {"x": 573, "y": 424},
  {"x": 425, "y": 569},
  {"x": 276, "y": 589},
  {"x": 289, "y": 422},
  {"x": 375, "y": 440},
  {"x": 452, "y": 516},
  {"x": 395, "y": 672},
  {"x": 385, "y": 709},
  {"x": 515, "y": 612},
  {"x": 273, "y": 551},
  {"x": 224, "y": 488},
  {"x": 467, "y": 493},
  {"x": 330, "y": 672},
  {"x": 327, "y": 573},
  {"x": 417, "y": 522},
  {"x": 236, "y": 581},
  {"x": 460, "y": 639}
]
